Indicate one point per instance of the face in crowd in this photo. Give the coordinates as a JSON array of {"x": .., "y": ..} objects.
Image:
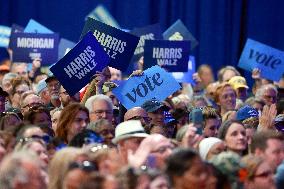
[
  {"x": 101, "y": 110},
  {"x": 53, "y": 86}
]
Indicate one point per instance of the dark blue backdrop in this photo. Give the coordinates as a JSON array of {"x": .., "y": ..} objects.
[{"x": 221, "y": 26}]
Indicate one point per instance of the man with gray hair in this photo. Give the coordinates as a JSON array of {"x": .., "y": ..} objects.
[
  {"x": 100, "y": 107},
  {"x": 267, "y": 93},
  {"x": 21, "y": 170}
]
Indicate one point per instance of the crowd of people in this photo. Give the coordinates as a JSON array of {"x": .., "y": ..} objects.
[{"x": 211, "y": 135}]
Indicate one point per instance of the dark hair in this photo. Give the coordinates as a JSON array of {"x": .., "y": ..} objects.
[
  {"x": 259, "y": 140},
  {"x": 280, "y": 107},
  {"x": 83, "y": 137},
  {"x": 33, "y": 111},
  {"x": 179, "y": 162},
  {"x": 225, "y": 127},
  {"x": 210, "y": 113}
]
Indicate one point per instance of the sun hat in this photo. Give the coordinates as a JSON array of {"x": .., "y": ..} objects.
[{"x": 129, "y": 129}]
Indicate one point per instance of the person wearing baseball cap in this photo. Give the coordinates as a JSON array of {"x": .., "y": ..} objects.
[
  {"x": 249, "y": 117},
  {"x": 128, "y": 136},
  {"x": 155, "y": 110},
  {"x": 240, "y": 86}
]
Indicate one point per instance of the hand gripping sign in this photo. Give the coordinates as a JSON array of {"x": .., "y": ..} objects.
[
  {"x": 154, "y": 83},
  {"x": 80, "y": 64}
]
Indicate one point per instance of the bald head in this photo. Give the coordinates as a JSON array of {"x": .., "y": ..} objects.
[
  {"x": 133, "y": 112},
  {"x": 137, "y": 113}
]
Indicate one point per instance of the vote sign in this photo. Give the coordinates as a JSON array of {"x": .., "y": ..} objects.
[
  {"x": 269, "y": 60},
  {"x": 118, "y": 44},
  {"x": 154, "y": 83},
  {"x": 171, "y": 55},
  {"x": 77, "y": 67}
]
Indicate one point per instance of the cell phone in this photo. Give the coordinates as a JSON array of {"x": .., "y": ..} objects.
[
  {"x": 197, "y": 120},
  {"x": 197, "y": 116}
]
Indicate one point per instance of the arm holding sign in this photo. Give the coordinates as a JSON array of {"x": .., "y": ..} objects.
[
  {"x": 95, "y": 87},
  {"x": 198, "y": 87},
  {"x": 35, "y": 67}
]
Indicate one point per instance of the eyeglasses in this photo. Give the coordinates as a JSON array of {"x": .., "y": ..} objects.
[
  {"x": 264, "y": 174},
  {"x": 9, "y": 113},
  {"x": 54, "y": 85},
  {"x": 85, "y": 166},
  {"x": 269, "y": 97},
  {"x": 100, "y": 112},
  {"x": 19, "y": 92},
  {"x": 33, "y": 105},
  {"x": 45, "y": 138}
]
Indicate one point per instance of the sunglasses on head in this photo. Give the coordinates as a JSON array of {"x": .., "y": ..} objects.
[{"x": 85, "y": 166}]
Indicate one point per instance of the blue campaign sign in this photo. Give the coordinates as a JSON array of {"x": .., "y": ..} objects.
[
  {"x": 118, "y": 45},
  {"x": 258, "y": 55},
  {"x": 35, "y": 27},
  {"x": 154, "y": 83},
  {"x": 179, "y": 32},
  {"x": 80, "y": 64},
  {"x": 29, "y": 46},
  {"x": 186, "y": 77},
  {"x": 5, "y": 33},
  {"x": 171, "y": 55},
  {"x": 150, "y": 32},
  {"x": 101, "y": 14},
  {"x": 64, "y": 47},
  {"x": 15, "y": 29}
]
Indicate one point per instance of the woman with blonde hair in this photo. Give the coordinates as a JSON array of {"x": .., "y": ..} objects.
[{"x": 59, "y": 165}]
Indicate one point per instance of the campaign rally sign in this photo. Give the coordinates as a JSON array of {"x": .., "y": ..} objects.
[
  {"x": 179, "y": 32},
  {"x": 269, "y": 60},
  {"x": 29, "y": 46},
  {"x": 64, "y": 47},
  {"x": 186, "y": 77},
  {"x": 101, "y": 14},
  {"x": 80, "y": 64},
  {"x": 150, "y": 32},
  {"x": 35, "y": 27},
  {"x": 171, "y": 55},
  {"x": 5, "y": 33},
  {"x": 15, "y": 29},
  {"x": 154, "y": 83},
  {"x": 118, "y": 45}
]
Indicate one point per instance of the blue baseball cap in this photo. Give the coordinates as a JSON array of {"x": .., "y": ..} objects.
[
  {"x": 153, "y": 105},
  {"x": 246, "y": 112}
]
